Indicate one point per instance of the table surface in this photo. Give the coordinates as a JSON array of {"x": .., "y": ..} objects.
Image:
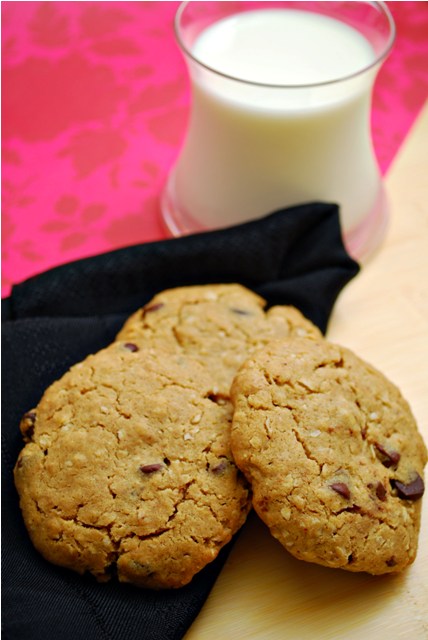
[
  {"x": 81, "y": 180},
  {"x": 263, "y": 593}
]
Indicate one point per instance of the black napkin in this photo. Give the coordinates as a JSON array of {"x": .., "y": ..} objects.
[{"x": 295, "y": 256}]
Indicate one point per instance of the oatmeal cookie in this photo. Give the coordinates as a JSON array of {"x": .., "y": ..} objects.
[
  {"x": 219, "y": 325},
  {"x": 333, "y": 454},
  {"x": 127, "y": 468}
]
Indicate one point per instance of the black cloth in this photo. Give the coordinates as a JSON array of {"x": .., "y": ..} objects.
[{"x": 295, "y": 256}]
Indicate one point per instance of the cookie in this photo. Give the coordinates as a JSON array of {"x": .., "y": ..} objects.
[
  {"x": 219, "y": 325},
  {"x": 127, "y": 468},
  {"x": 333, "y": 455}
]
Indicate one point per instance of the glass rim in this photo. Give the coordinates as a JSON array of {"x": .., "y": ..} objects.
[{"x": 378, "y": 58}]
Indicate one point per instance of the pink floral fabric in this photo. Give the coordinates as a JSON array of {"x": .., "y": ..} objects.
[{"x": 95, "y": 102}]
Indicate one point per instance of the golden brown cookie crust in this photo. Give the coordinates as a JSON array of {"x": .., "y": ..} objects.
[
  {"x": 128, "y": 468},
  {"x": 333, "y": 454},
  {"x": 219, "y": 325}
]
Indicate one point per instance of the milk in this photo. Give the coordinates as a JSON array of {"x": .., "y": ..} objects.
[
  {"x": 283, "y": 47},
  {"x": 278, "y": 137}
]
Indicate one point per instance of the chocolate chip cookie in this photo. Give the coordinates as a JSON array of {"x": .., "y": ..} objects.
[
  {"x": 128, "y": 470},
  {"x": 219, "y": 325},
  {"x": 333, "y": 454}
]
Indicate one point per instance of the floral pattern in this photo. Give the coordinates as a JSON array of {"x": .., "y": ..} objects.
[{"x": 95, "y": 103}]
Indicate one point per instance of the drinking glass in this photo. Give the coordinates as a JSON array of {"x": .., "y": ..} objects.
[{"x": 255, "y": 143}]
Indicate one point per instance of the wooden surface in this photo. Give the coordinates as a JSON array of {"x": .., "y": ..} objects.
[{"x": 265, "y": 594}]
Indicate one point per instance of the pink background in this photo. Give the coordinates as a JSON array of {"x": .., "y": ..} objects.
[{"x": 95, "y": 101}]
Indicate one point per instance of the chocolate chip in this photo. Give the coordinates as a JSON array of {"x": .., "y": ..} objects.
[
  {"x": 152, "y": 307},
  {"x": 391, "y": 562},
  {"x": 381, "y": 491},
  {"x": 341, "y": 488},
  {"x": 219, "y": 468},
  {"x": 263, "y": 504},
  {"x": 411, "y": 491},
  {"x": 131, "y": 346},
  {"x": 389, "y": 458},
  {"x": 151, "y": 468},
  {"x": 241, "y": 312},
  {"x": 354, "y": 509}
]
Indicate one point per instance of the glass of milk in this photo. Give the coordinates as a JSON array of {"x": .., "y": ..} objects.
[{"x": 280, "y": 115}]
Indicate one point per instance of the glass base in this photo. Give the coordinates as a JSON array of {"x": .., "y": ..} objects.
[
  {"x": 176, "y": 221},
  {"x": 360, "y": 242}
]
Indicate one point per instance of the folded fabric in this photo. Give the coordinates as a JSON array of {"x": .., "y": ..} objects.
[{"x": 293, "y": 256}]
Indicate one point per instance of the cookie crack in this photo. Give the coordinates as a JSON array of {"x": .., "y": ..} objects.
[
  {"x": 170, "y": 382},
  {"x": 75, "y": 519},
  {"x": 208, "y": 494},
  {"x": 169, "y": 522},
  {"x": 298, "y": 387},
  {"x": 331, "y": 364},
  {"x": 307, "y": 390},
  {"x": 184, "y": 496},
  {"x": 148, "y": 536},
  {"x": 355, "y": 510},
  {"x": 307, "y": 452}
]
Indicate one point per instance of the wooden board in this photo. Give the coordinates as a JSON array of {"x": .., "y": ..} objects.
[{"x": 265, "y": 594}]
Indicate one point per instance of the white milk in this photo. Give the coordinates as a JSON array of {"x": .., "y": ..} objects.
[{"x": 252, "y": 149}]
